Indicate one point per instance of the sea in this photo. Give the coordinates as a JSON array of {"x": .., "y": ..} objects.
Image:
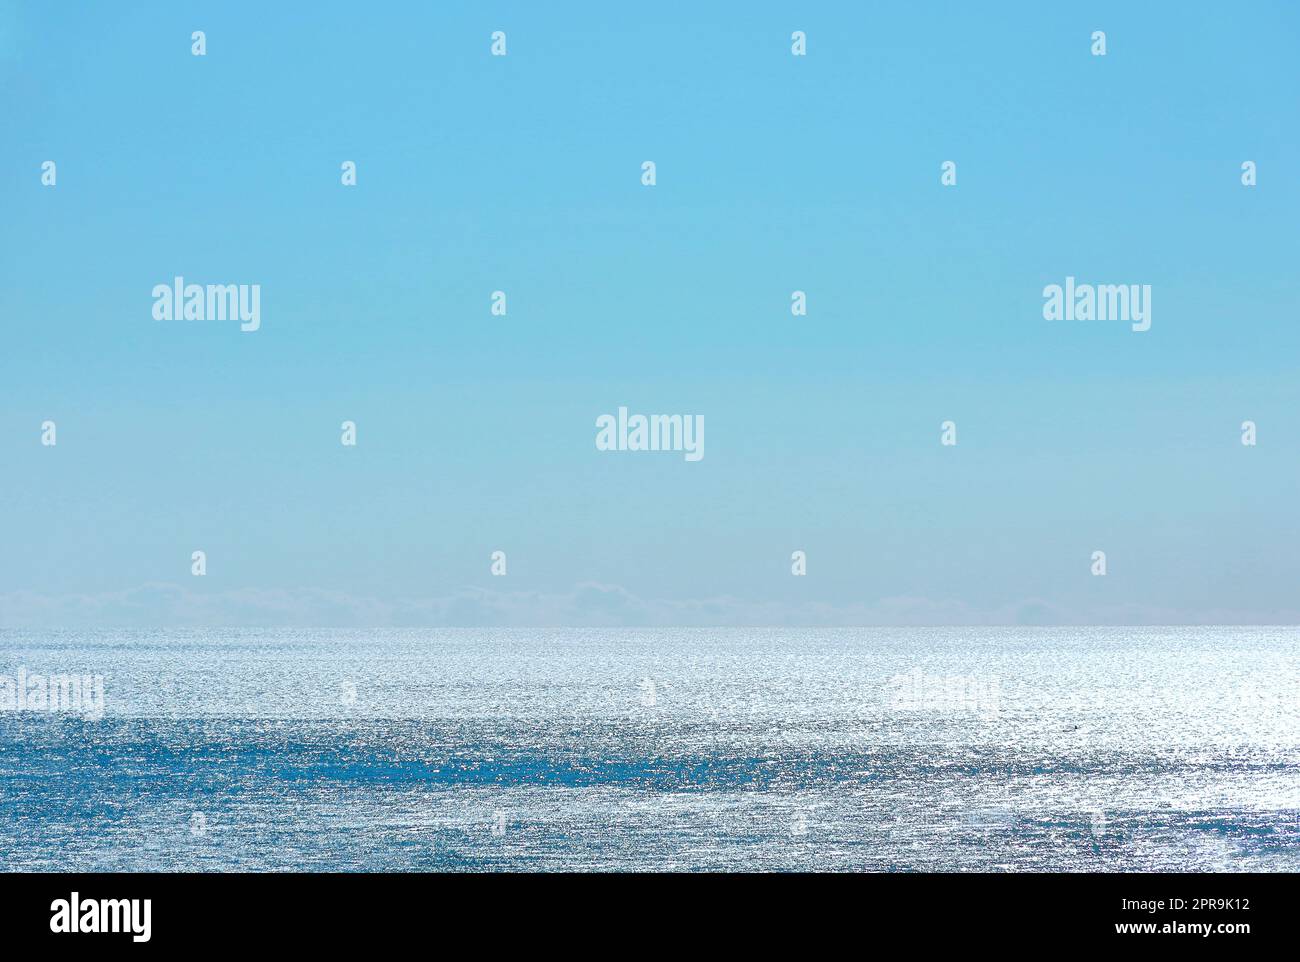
[{"x": 1020, "y": 749}]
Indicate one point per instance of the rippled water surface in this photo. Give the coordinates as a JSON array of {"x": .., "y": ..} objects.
[{"x": 873, "y": 749}]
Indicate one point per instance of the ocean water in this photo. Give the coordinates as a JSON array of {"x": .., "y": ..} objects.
[{"x": 1009, "y": 749}]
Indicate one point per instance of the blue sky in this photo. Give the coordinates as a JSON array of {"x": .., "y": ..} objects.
[{"x": 775, "y": 173}]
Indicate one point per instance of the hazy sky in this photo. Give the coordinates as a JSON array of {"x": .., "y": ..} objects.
[{"x": 523, "y": 174}]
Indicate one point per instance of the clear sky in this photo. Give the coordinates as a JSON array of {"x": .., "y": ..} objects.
[{"x": 523, "y": 174}]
